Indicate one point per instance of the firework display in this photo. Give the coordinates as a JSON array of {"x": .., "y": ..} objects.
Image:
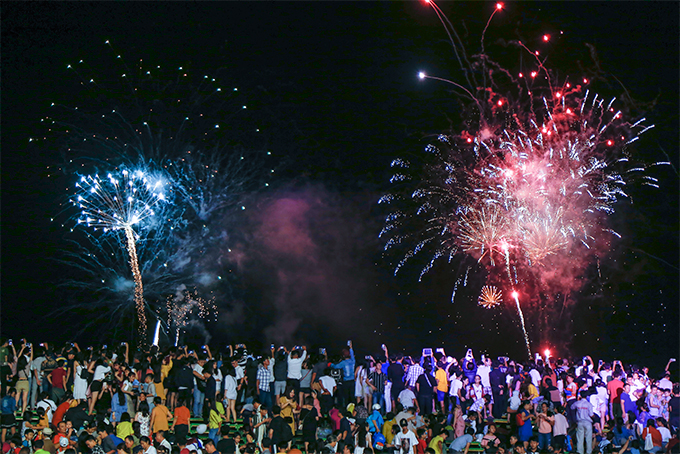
[
  {"x": 120, "y": 202},
  {"x": 167, "y": 158},
  {"x": 527, "y": 187},
  {"x": 184, "y": 308},
  {"x": 490, "y": 297}
]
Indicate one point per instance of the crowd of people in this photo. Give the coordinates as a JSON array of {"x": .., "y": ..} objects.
[{"x": 68, "y": 400}]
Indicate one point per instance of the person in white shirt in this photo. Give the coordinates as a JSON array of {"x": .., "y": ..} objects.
[
  {"x": 454, "y": 389},
  {"x": 146, "y": 445},
  {"x": 406, "y": 440},
  {"x": 408, "y": 399},
  {"x": 49, "y": 406},
  {"x": 535, "y": 377},
  {"x": 295, "y": 361}
]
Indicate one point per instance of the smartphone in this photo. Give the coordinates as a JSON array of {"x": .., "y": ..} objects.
[
  {"x": 383, "y": 346},
  {"x": 10, "y": 342},
  {"x": 349, "y": 342},
  {"x": 427, "y": 352},
  {"x": 440, "y": 350},
  {"x": 272, "y": 347},
  {"x": 322, "y": 351}
]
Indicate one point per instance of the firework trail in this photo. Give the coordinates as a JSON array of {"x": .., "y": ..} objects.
[
  {"x": 119, "y": 202},
  {"x": 527, "y": 186},
  {"x": 515, "y": 296}
]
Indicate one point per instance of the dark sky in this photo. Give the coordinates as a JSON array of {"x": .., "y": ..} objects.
[{"x": 345, "y": 75}]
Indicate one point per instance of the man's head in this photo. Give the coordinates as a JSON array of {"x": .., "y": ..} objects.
[
  {"x": 90, "y": 442},
  {"x": 61, "y": 427},
  {"x": 103, "y": 431},
  {"x": 160, "y": 436},
  {"x": 209, "y": 446},
  {"x": 129, "y": 442},
  {"x": 533, "y": 443}
]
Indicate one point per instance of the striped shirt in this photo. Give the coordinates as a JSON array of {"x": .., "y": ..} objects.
[
  {"x": 378, "y": 380},
  {"x": 264, "y": 377}
]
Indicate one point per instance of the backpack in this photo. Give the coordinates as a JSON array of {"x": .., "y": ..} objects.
[
  {"x": 379, "y": 441},
  {"x": 518, "y": 420}
]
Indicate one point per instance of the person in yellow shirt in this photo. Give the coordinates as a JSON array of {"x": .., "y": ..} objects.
[
  {"x": 390, "y": 421},
  {"x": 437, "y": 443},
  {"x": 442, "y": 378},
  {"x": 124, "y": 427},
  {"x": 160, "y": 416},
  {"x": 214, "y": 422}
]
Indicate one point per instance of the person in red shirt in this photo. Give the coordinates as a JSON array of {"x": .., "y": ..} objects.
[
  {"x": 62, "y": 409},
  {"x": 615, "y": 389},
  {"x": 656, "y": 436},
  {"x": 58, "y": 378},
  {"x": 180, "y": 425}
]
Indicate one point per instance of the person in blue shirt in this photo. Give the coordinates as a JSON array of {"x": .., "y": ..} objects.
[
  {"x": 375, "y": 420},
  {"x": 8, "y": 405},
  {"x": 347, "y": 365}
]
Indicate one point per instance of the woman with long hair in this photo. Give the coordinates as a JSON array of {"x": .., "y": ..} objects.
[
  {"x": 101, "y": 369},
  {"x": 23, "y": 373},
  {"x": 83, "y": 373},
  {"x": 230, "y": 393},
  {"x": 289, "y": 406},
  {"x": 118, "y": 403},
  {"x": 143, "y": 417}
]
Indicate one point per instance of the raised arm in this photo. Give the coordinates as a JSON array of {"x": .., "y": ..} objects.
[{"x": 668, "y": 365}]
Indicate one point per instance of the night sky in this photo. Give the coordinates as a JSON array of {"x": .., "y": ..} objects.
[{"x": 334, "y": 88}]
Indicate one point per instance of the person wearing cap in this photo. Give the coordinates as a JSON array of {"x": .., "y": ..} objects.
[
  {"x": 47, "y": 440},
  {"x": 405, "y": 441},
  {"x": 62, "y": 445},
  {"x": 375, "y": 420}
]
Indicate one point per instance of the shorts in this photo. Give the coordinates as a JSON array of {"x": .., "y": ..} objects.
[
  {"x": 306, "y": 390},
  {"x": 7, "y": 421},
  {"x": 22, "y": 385},
  {"x": 441, "y": 395},
  {"x": 279, "y": 387},
  {"x": 96, "y": 386}
]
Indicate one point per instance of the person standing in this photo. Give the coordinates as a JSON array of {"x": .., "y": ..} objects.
[
  {"x": 376, "y": 382},
  {"x": 497, "y": 379},
  {"x": 347, "y": 365},
  {"x": 583, "y": 413}
]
